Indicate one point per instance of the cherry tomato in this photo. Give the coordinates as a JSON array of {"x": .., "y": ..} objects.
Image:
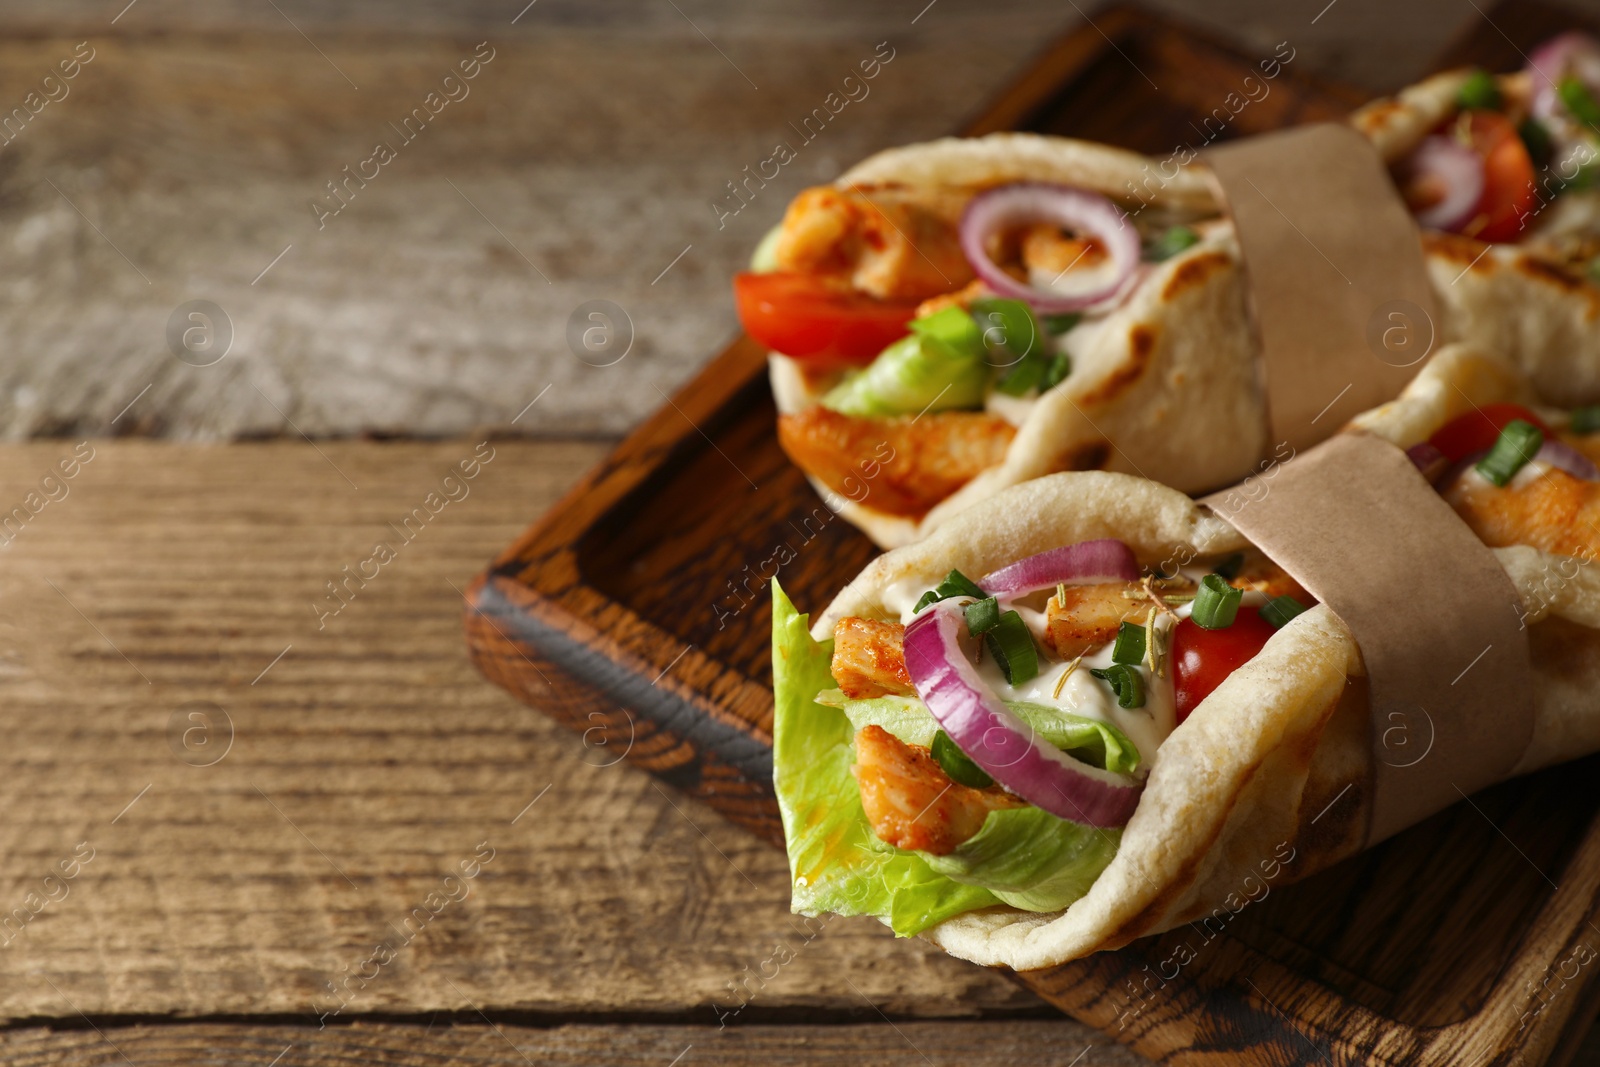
[
  {"x": 1203, "y": 658},
  {"x": 1476, "y": 430},
  {"x": 805, "y": 317},
  {"x": 1508, "y": 178}
]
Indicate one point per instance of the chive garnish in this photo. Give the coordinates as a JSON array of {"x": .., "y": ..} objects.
[
  {"x": 957, "y": 765},
  {"x": 1130, "y": 644},
  {"x": 1479, "y": 92},
  {"x": 1281, "y": 610},
  {"x": 1012, "y": 647},
  {"x": 1215, "y": 603},
  {"x": 1125, "y": 681},
  {"x": 955, "y": 584},
  {"x": 1518, "y": 443},
  {"x": 982, "y": 615},
  {"x": 1586, "y": 420}
]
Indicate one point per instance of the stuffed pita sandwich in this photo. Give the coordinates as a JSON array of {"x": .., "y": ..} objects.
[
  {"x": 953, "y": 318},
  {"x": 1090, "y": 710}
]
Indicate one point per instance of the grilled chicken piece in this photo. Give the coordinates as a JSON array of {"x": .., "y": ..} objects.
[
  {"x": 869, "y": 658},
  {"x": 1091, "y": 615},
  {"x": 909, "y": 800},
  {"x": 1045, "y": 248},
  {"x": 895, "y": 243},
  {"x": 1555, "y": 513},
  {"x": 1264, "y": 576},
  {"x": 901, "y": 466}
]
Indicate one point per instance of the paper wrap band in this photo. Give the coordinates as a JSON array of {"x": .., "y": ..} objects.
[
  {"x": 1337, "y": 286},
  {"x": 1438, "y": 622}
]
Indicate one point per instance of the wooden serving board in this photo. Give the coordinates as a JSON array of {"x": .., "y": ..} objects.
[{"x": 636, "y": 612}]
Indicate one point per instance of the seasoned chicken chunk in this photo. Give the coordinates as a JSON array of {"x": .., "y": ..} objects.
[
  {"x": 869, "y": 658},
  {"x": 1090, "y": 616},
  {"x": 1555, "y": 513},
  {"x": 895, "y": 243},
  {"x": 911, "y": 803},
  {"x": 902, "y": 466}
]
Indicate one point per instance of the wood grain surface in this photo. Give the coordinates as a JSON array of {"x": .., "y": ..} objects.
[
  {"x": 1439, "y": 936},
  {"x": 366, "y": 763},
  {"x": 1034, "y": 1042},
  {"x": 584, "y": 162}
]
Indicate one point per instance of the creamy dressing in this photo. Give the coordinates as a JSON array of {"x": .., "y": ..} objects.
[{"x": 1088, "y": 696}]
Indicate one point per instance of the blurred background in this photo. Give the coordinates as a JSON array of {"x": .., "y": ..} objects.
[{"x": 584, "y": 161}]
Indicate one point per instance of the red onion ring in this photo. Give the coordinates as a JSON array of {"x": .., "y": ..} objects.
[
  {"x": 1459, "y": 170},
  {"x": 1085, "y": 213},
  {"x": 999, "y": 742},
  {"x": 1572, "y": 53},
  {"x": 1564, "y": 457},
  {"x": 1553, "y": 453},
  {"x": 1429, "y": 460},
  {"x": 1085, "y": 563}
]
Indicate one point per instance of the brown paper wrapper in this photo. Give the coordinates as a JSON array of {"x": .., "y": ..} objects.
[
  {"x": 1438, "y": 622},
  {"x": 1336, "y": 281}
]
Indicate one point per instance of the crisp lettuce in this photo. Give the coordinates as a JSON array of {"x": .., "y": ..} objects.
[
  {"x": 1024, "y": 857},
  {"x": 941, "y": 365}
]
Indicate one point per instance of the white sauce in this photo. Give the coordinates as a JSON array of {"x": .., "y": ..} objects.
[{"x": 1088, "y": 696}]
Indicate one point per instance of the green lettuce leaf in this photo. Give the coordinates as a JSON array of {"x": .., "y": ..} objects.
[
  {"x": 835, "y": 863},
  {"x": 1025, "y": 857},
  {"x": 940, "y": 366}
]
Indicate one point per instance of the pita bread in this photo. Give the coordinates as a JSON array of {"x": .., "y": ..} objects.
[
  {"x": 1165, "y": 386},
  {"x": 1276, "y": 762}
]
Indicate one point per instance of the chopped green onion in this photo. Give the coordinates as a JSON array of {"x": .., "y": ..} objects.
[
  {"x": 1479, "y": 92},
  {"x": 1054, "y": 374},
  {"x": 1281, "y": 610},
  {"x": 1215, "y": 603},
  {"x": 1169, "y": 244},
  {"x": 1130, "y": 644},
  {"x": 1586, "y": 420},
  {"x": 1536, "y": 139},
  {"x": 982, "y": 615},
  {"x": 1056, "y": 325},
  {"x": 957, "y": 765},
  {"x": 1010, "y": 332},
  {"x": 1518, "y": 443},
  {"x": 955, "y": 584},
  {"x": 1125, "y": 681},
  {"x": 1025, "y": 375},
  {"x": 1593, "y": 270},
  {"x": 1012, "y": 647},
  {"x": 1576, "y": 96},
  {"x": 1230, "y": 566}
]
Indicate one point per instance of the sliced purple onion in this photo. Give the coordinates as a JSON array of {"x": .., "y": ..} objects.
[
  {"x": 1574, "y": 53},
  {"x": 1003, "y": 745},
  {"x": 1429, "y": 460},
  {"x": 1458, "y": 172},
  {"x": 1564, "y": 457},
  {"x": 1085, "y": 563},
  {"x": 1084, "y": 213}
]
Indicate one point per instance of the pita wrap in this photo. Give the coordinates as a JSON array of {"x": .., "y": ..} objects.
[
  {"x": 1267, "y": 780},
  {"x": 1164, "y": 380}
]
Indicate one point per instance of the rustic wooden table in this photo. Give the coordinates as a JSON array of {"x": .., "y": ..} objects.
[{"x": 229, "y": 786}]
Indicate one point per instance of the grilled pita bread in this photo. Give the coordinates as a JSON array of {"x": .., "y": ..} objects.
[{"x": 1252, "y": 776}]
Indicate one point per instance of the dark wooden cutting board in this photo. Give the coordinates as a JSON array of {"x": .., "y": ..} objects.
[{"x": 636, "y": 612}]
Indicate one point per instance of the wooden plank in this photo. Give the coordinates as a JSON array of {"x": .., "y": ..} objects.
[
  {"x": 594, "y": 145},
  {"x": 368, "y": 761},
  {"x": 1370, "y": 967},
  {"x": 1058, "y": 1042}
]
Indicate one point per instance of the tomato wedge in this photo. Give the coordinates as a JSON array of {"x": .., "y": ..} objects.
[
  {"x": 1508, "y": 179},
  {"x": 1476, "y": 431},
  {"x": 1202, "y": 659},
  {"x": 805, "y": 317}
]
